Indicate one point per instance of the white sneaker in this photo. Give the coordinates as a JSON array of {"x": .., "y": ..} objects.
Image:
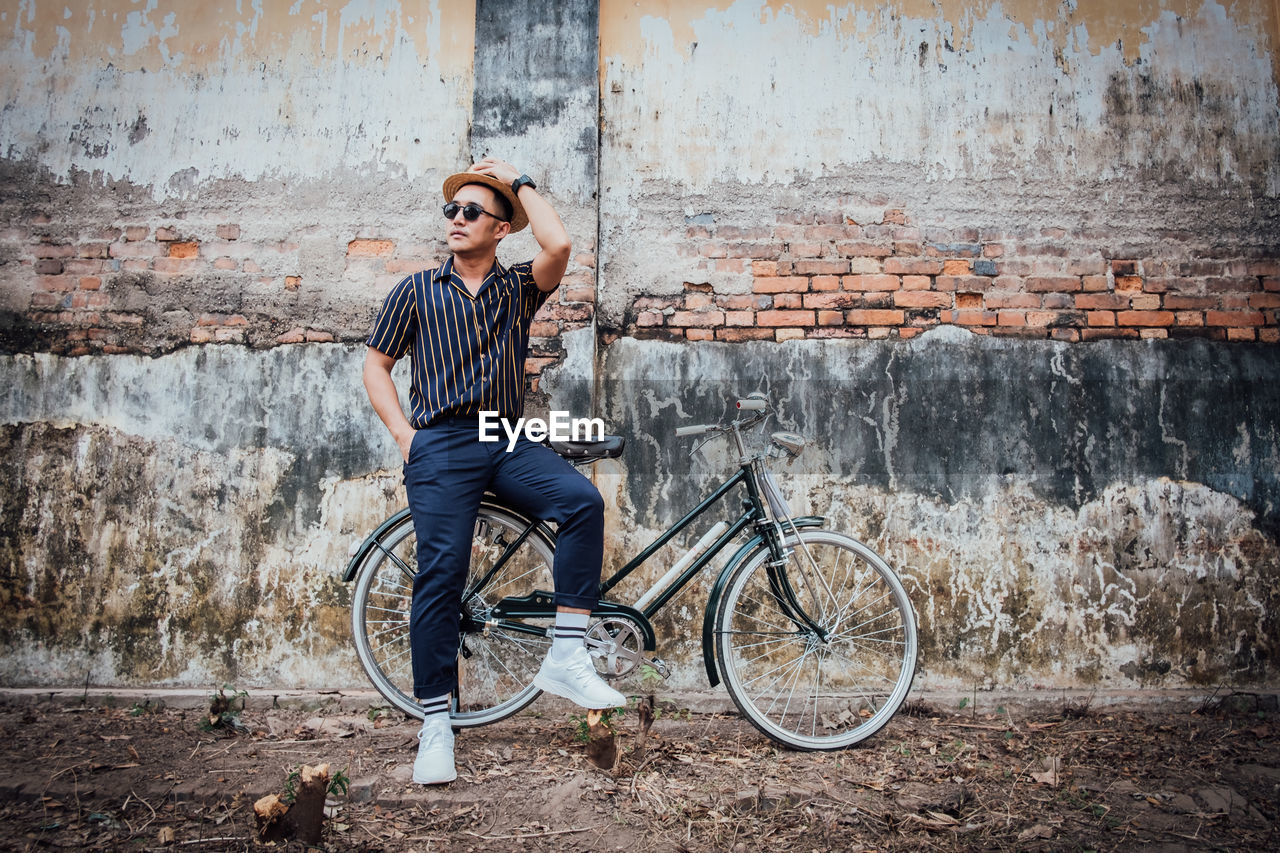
[
  {"x": 575, "y": 678},
  {"x": 434, "y": 764}
]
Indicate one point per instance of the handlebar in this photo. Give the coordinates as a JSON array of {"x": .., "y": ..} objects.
[{"x": 756, "y": 402}]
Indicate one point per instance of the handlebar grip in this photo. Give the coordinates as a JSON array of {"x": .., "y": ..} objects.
[
  {"x": 753, "y": 404},
  {"x": 697, "y": 429}
]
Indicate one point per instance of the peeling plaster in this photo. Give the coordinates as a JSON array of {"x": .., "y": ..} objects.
[{"x": 250, "y": 94}]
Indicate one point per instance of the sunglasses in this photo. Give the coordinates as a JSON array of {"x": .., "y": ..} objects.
[{"x": 471, "y": 212}]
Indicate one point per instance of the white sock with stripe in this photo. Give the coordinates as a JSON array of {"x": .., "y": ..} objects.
[
  {"x": 570, "y": 632},
  {"x": 434, "y": 709}
]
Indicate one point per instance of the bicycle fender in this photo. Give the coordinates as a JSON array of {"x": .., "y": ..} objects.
[
  {"x": 713, "y": 599},
  {"x": 370, "y": 543}
]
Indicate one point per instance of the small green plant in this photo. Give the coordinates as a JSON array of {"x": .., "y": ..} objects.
[
  {"x": 339, "y": 784},
  {"x": 582, "y": 727},
  {"x": 225, "y": 711},
  {"x": 649, "y": 675},
  {"x": 140, "y": 708},
  {"x": 378, "y": 712}
]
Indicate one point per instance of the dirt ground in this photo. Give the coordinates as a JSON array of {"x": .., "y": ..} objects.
[{"x": 1077, "y": 776}]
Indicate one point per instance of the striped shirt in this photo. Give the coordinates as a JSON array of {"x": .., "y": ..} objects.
[{"x": 467, "y": 353}]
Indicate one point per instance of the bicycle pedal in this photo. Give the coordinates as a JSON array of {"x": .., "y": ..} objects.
[{"x": 661, "y": 666}]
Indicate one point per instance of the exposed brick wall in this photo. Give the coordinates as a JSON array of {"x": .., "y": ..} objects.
[
  {"x": 834, "y": 278},
  {"x": 144, "y": 289}
]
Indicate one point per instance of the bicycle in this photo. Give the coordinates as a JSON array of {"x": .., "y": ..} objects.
[{"x": 810, "y": 630}]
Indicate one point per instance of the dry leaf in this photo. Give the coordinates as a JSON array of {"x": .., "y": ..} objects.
[
  {"x": 1037, "y": 831},
  {"x": 1052, "y": 767},
  {"x": 165, "y": 835}
]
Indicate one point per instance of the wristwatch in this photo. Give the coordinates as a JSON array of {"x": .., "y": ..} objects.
[{"x": 522, "y": 181}]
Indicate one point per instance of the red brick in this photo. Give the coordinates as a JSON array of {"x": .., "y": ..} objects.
[
  {"x": 824, "y": 282},
  {"x": 1241, "y": 334},
  {"x": 739, "y": 318},
  {"x": 916, "y": 282},
  {"x": 134, "y": 233},
  {"x": 784, "y": 318},
  {"x": 912, "y": 266},
  {"x": 1000, "y": 299},
  {"x": 700, "y": 334},
  {"x": 228, "y": 232},
  {"x": 94, "y": 250},
  {"x": 820, "y": 267},
  {"x": 1011, "y": 318},
  {"x": 1269, "y": 335},
  {"x": 1101, "y": 318},
  {"x": 752, "y": 250},
  {"x": 874, "y": 317},
  {"x": 1061, "y": 334},
  {"x": 751, "y": 334},
  {"x": 788, "y": 334},
  {"x": 730, "y": 265},
  {"x": 1053, "y": 284},
  {"x": 764, "y": 268},
  {"x": 862, "y": 249},
  {"x": 696, "y": 318},
  {"x": 694, "y": 300},
  {"x": 966, "y": 283},
  {"x": 1144, "y": 318},
  {"x": 1188, "y": 318},
  {"x": 167, "y": 235},
  {"x": 968, "y": 300},
  {"x": 649, "y": 318},
  {"x": 957, "y": 267},
  {"x": 1233, "y": 318},
  {"x": 1094, "y": 283},
  {"x": 921, "y": 299},
  {"x": 366, "y": 248},
  {"x": 293, "y": 336},
  {"x": 1061, "y": 301},
  {"x": 1128, "y": 283},
  {"x": 136, "y": 250},
  {"x": 1124, "y": 267},
  {"x": 1101, "y": 301},
  {"x": 51, "y": 250},
  {"x": 780, "y": 284},
  {"x": 184, "y": 250},
  {"x": 831, "y": 300},
  {"x": 872, "y": 282},
  {"x": 1264, "y": 300},
  {"x": 830, "y": 318},
  {"x": 176, "y": 265},
  {"x": 225, "y": 264},
  {"x": 742, "y": 301},
  {"x": 47, "y": 266},
  {"x": 805, "y": 250},
  {"x": 713, "y": 250},
  {"x": 788, "y": 300},
  {"x": 58, "y": 283},
  {"x": 1226, "y": 284},
  {"x": 90, "y": 282},
  {"x": 1176, "y": 301}
]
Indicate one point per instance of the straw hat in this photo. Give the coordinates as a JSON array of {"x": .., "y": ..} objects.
[{"x": 519, "y": 219}]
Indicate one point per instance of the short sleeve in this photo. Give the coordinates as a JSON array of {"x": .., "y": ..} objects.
[
  {"x": 531, "y": 295},
  {"x": 397, "y": 322}
]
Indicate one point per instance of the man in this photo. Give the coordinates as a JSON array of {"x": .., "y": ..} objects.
[{"x": 465, "y": 325}]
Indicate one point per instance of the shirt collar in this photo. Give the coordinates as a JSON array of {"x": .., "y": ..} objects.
[{"x": 445, "y": 270}]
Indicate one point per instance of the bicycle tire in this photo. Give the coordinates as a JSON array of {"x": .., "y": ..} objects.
[
  {"x": 802, "y": 691},
  {"x": 495, "y": 666}
]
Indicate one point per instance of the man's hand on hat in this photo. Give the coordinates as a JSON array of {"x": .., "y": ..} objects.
[{"x": 495, "y": 168}]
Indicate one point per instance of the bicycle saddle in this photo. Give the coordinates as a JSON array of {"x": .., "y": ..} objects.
[{"x": 609, "y": 447}]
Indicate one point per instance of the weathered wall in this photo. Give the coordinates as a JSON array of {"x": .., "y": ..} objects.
[{"x": 911, "y": 223}]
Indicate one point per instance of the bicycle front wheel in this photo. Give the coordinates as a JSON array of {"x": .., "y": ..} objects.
[
  {"x": 818, "y": 653},
  {"x": 496, "y": 663}
]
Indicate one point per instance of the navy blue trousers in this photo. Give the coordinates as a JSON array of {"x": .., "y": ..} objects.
[{"x": 448, "y": 472}]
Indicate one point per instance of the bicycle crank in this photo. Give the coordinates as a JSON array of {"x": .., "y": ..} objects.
[{"x": 616, "y": 645}]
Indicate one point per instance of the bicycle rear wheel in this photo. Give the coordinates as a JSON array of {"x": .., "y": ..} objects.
[
  {"x": 496, "y": 665},
  {"x": 817, "y": 689}
]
